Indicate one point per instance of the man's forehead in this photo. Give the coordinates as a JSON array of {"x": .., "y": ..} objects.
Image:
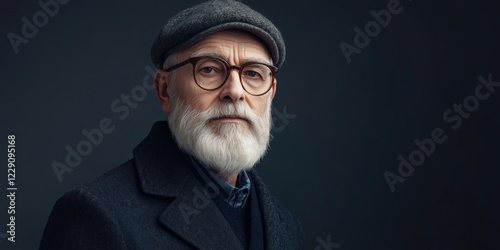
[{"x": 224, "y": 43}]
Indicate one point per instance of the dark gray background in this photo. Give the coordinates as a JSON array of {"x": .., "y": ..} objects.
[{"x": 327, "y": 164}]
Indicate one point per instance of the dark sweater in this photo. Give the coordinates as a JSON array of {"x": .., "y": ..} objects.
[{"x": 246, "y": 222}]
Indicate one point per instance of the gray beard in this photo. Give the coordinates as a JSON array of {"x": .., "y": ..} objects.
[{"x": 226, "y": 148}]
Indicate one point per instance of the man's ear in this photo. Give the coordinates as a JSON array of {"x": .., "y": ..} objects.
[
  {"x": 273, "y": 89},
  {"x": 162, "y": 86}
]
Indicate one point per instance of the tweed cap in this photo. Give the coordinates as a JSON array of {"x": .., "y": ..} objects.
[{"x": 193, "y": 24}]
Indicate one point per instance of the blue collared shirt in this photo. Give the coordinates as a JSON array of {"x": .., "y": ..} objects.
[{"x": 235, "y": 196}]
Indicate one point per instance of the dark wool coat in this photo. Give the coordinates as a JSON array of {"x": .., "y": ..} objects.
[{"x": 154, "y": 202}]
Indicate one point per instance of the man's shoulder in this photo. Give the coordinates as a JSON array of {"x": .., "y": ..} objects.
[
  {"x": 116, "y": 195},
  {"x": 101, "y": 212},
  {"x": 110, "y": 188},
  {"x": 122, "y": 177}
]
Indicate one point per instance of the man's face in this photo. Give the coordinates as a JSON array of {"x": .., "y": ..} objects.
[{"x": 227, "y": 128}]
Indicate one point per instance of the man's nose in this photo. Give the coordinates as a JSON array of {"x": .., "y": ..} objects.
[{"x": 232, "y": 90}]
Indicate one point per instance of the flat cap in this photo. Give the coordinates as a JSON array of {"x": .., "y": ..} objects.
[{"x": 193, "y": 24}]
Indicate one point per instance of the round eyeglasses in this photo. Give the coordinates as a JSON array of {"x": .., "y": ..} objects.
[{"x": 210, "y": 73}]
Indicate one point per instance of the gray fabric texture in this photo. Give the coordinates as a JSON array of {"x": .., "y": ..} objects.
[{"x": 193, "y": 24}]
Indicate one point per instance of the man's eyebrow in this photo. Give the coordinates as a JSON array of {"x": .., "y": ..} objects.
[
  {"x": 208, "y": 53},
  {"x": 222, "y": 56},
  {"x": 257, "y": 60}
]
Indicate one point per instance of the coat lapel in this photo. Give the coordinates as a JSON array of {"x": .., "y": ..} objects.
[
  {"x": 163, "y": 171},
  {"x": 196, "y": 218},
  {"x": 276, "y": 230}
]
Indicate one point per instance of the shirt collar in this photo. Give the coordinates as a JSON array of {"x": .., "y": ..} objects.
[{"x": 235, "y": 196}]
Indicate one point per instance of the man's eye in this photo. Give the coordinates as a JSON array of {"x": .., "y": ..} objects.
[
  {"x": 207, "y": 70},
  {"x": 252, "y": 74}
]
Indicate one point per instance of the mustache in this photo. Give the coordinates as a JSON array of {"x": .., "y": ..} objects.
[{"x": 232, "y": 111}]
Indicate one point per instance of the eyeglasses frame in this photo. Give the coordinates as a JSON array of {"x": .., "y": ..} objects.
[{"x": 194, "y": 60}]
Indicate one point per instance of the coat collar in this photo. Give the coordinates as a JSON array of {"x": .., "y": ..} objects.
[
  {"x": 162, "y": 169},
  {"x": 273, "y": 217}
]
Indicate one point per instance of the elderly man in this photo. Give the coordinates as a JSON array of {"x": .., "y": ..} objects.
[{"x": 190, "y": 184}]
